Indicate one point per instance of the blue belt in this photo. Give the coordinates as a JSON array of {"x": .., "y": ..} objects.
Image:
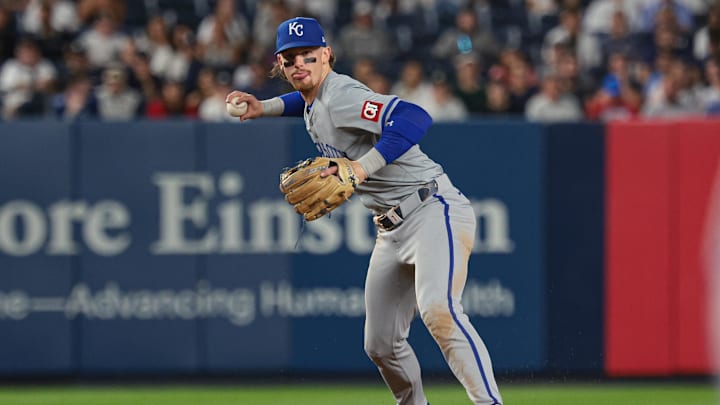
[{"x": 397, "y": 214}]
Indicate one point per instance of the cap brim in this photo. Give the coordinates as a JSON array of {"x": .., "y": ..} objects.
[{"x": 298, "y": 44}]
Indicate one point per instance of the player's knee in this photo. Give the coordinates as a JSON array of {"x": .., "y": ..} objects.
[
  {"x": 439, "y": 322},
  {"x": 377, "y": 350}
]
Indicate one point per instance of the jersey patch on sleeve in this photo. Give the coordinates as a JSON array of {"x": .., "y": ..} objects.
[{"x": 371, "y": 111}]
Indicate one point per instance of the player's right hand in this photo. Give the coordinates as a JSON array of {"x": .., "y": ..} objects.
[
  {"x": 360, "y": 174},
  {"x": 255, "y": 108}
]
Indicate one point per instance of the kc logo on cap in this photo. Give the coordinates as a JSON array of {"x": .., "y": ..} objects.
[
  {"x": 299, "y": 32},
  {"x": 295, "y": 28}
]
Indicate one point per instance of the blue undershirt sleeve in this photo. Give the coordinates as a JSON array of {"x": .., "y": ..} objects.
[
  {"x": 294, "y": 104},
  {"x": 407, "y": 124}
]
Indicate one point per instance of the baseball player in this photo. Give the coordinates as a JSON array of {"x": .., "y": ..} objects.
[{"x": 426, "y": 226}]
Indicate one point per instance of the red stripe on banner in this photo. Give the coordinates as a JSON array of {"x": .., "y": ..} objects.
[
  {"x": 697, "y": 158},
  {"x": 711, "y": 254},
  {"x": 637, "y": 289}
]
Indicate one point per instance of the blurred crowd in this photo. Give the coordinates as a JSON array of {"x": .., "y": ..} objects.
[{"x": 545, "y": 60}]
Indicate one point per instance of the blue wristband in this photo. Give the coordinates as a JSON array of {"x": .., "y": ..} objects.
[{"x": 294, "y": 104}]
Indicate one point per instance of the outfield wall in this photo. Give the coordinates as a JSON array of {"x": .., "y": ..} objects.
[
  {"x": 659, "y": 182},
  {"x": 151, "y": 247}
]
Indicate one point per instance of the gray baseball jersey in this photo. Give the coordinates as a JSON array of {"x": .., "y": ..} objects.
[{"x": 420, "y": 259}]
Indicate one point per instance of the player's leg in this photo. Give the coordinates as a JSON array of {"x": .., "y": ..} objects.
[
  {"x": 390, "y": 308},
  {"x": 443, "y": 244}
]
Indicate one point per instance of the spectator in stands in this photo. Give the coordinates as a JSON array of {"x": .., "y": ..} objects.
[
  {"x": 552, "y": 58},
  {"x": 668, "y": 37},
  {"x": 259, "y": 84},
  {"x": 497, "y": 99},
  {"x": 618, "y": 75},
  {"x": 551, "y": 104},
  {"x": 204, "y": 87},
  {"x": 444, "y": 105},
  {"x": 325, "y": 11},
  {"x": 362, "y": 39},
  {"x": 223, "y": 36},
  {"x": 184, "y": 65},
  {"x": 518, "y": 79},
  {"x": 379, "y": 83},
  {"x": 521, "y": 82},
  {"x": 268, "y": 15},
  {"x": 72, "y": 64},
  {"x": 573, "y": 80},
  {"x": 710, "y": 96},
  {"x": 446, "y": 10},
  {"x": 8, "y": 34},
  {"x": 141, "y": 77},
  {"x": 213, "y": 108},
  {"x": 599, "y": 15},
  {"x": 619, "y": 97},
  {"x": 104, "y": 42},
  {"x": 469, "y": 84},
  {"x": 691, "y": 78},
  {"x": 706, "y": 43},
  {"x": 412, "y": 85},
  {"x": 422, "y": 17},
  {"x": 43, "y": 16},
  {"x": 155, "y": 42},
  {"x": 26, "y": 81},
  {"x": 697, "y": 7},
  {"x": 405, "y": 22},
  {"x": 242, "y": 76},
  {"x": 464, "y": 37},
  {"x": 674, "y": 95},
  {"x": 171, "y": 104},
  {"x": 658, "y": 11},
  {"x": 619, "y": 39},
  {"x": 569, "y": 53},
  {"x": 651, "y": 74},
  {"x": 539, "y": 12},
  {"x": 586, "y": 47},
  {"x": 77, "y": 101},
  {"x": 116, "y": 101},
  {"x": 500, "y": 69},
  {"x": 88, "y": 11},
  {"x": 614, "y": 104},
  {"x": 363, "y": 69},
  {"x": 50, "y": 39}
]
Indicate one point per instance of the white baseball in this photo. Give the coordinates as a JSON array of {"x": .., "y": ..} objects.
[{"x": 236, "y": 108}]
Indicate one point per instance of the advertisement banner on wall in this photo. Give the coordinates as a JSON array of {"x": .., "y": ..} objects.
[
  {"x": 134, "y": 318},
  {"x": 36, "y": 189},
  {"x": 177, "y": 254},
  {"x": 659, "y": 183}
]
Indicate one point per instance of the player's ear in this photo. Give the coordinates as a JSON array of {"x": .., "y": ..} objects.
[{"x": 326, "y": 52}]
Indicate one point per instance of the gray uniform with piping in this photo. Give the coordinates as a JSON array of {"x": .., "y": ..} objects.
[{"x": 426, "y": 230}]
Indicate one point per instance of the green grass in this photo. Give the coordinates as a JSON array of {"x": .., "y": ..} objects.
[{"x": 354, "y": 394}]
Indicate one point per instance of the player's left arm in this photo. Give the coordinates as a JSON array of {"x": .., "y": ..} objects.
[
  {"x": 406, "y": 126},
  {"x": 402, "y": 129},
  {"x": 397, "y": 124}
]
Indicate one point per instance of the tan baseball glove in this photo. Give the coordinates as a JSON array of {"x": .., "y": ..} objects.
[{"x": 312, "y": 195}]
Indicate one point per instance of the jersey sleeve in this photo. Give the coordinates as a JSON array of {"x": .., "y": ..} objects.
[{"x": 354, "y": 107}]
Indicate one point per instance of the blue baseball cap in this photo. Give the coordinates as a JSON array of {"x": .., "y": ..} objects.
[{"x": 299, "y": 32}]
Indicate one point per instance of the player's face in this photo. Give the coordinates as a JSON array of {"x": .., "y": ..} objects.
[{"x": 304, "y": 67}]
